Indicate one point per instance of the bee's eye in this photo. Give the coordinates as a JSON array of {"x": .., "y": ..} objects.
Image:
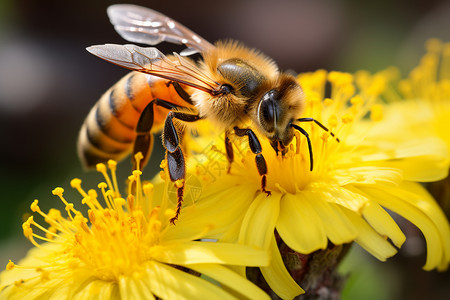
[{"x": 267, "y": 111}]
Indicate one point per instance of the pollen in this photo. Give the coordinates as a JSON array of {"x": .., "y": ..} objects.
[
  {"x": 347, "y": 118},
  {"x": 10, "y": 265},
  {"x": 112, "y": 165},
  {"x": 163, "y": 164},
  {"x": 179, "y": 183},
  {"x": 58, "y": 191},
  {"x": 34, "y": 206},
  {"x": 75, "y": 183},
  {"x": 101, "y": 168},
  {"x": 137, "y": 173}
]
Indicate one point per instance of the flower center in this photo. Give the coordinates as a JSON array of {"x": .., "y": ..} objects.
[
  {"x": 120, "y": 240},
  {"x": 121, "y": 236}
]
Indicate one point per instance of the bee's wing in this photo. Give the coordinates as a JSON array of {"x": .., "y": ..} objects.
[
  {"x": 152, "y": 61},
  {"x": 143, "y": 25}
]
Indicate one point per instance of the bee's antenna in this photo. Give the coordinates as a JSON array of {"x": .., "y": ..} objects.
[
  {"x": 302, "y": 131},
  {"x": 320, "y": 125}
]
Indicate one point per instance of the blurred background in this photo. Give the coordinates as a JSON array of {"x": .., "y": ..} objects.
[{"x": 48, "y": 83}]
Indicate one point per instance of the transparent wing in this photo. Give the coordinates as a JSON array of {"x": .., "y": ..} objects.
[
  {"x": 152, "y": 61},
  {"x": 143, "y": 25}
]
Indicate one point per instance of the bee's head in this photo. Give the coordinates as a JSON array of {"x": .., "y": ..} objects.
[{"x": 278, "y": 108}]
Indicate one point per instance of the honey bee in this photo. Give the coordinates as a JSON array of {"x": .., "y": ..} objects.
[{"x": 231, "y": 86}]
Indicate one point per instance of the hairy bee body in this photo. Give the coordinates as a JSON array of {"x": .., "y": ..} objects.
[
  {"x": 236, "y": 88},
  {"x": 109, "y": 130}
]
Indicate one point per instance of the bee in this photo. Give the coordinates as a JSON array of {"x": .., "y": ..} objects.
[{"x": 232, "y": 85}]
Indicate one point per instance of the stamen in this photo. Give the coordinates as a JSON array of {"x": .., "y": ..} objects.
[
  {"x": 102, "y": 169},
  {"x": 138, "y": 157},
  {"x": 76, "y": 184},
  {"x": 94, "y": 198},
  {"x": 148, "y": 194},
  {"x": 51, "y": 233},
  {"x": 54, "y": 218},
  {"x": 42, "y": 228},
  {"x": 112, "y": 165},
  {"x": 137, "y": 179},
  {"x": 69, "y": 206}
]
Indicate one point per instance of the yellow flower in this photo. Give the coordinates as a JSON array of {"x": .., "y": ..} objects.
[
  {"x": 124, "y": 249},
  {"x": 421, "y": 102},
  {"x": 346, "y": 196}
]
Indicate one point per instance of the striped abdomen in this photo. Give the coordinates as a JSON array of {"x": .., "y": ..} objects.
[{"x": 109, "y": 129}]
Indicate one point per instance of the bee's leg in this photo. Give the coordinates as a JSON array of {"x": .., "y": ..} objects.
[
  {"x": 256, "y": 148},
  {"x": 174, "y": 155},
  {"x": 144, "y": 138},
  {"x": 181, "y": 92},
  {"x": 229, "y": 150}
]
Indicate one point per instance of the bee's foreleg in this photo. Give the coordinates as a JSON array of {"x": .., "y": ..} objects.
[
  {"x": 255, "y": 147},
  {"x": 175, "y": 158},
  {"x": 229, "y": 150}
]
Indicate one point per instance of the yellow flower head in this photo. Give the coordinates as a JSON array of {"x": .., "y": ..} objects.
[
  {"x": 344, "y": 198},
  {"x": 123, "y": 248},
  {"x": 421, "y": 101}
]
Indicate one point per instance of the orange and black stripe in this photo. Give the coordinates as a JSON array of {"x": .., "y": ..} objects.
[{"x": 109, "y": 130}]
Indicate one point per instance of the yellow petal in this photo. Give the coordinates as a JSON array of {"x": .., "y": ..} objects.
[
  {"x": 278, "y": 278},
  {"x": 299, "y": 225},
  {"x": 211, "y": 252},
  {"x": 170, "y": 283},
  {"x": 423, "y": 160},
  {"x": 98, "y": 289},
  {"x": 368, "y": 175},
  {"x": 382, "y": 222},
  {"x": 231, "y": 279},
  {"x": 343, "y": 196},
  {"x": 338, "y": 228},
  {"x": 217, "y": 211},
  {"x": 259, "y": 222},
  {"x": 130, "y": 288},
  {"x": 425, "y": 168},
  {"x": 369, "y": 239},
  {"x": 415, "y": 205}
]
